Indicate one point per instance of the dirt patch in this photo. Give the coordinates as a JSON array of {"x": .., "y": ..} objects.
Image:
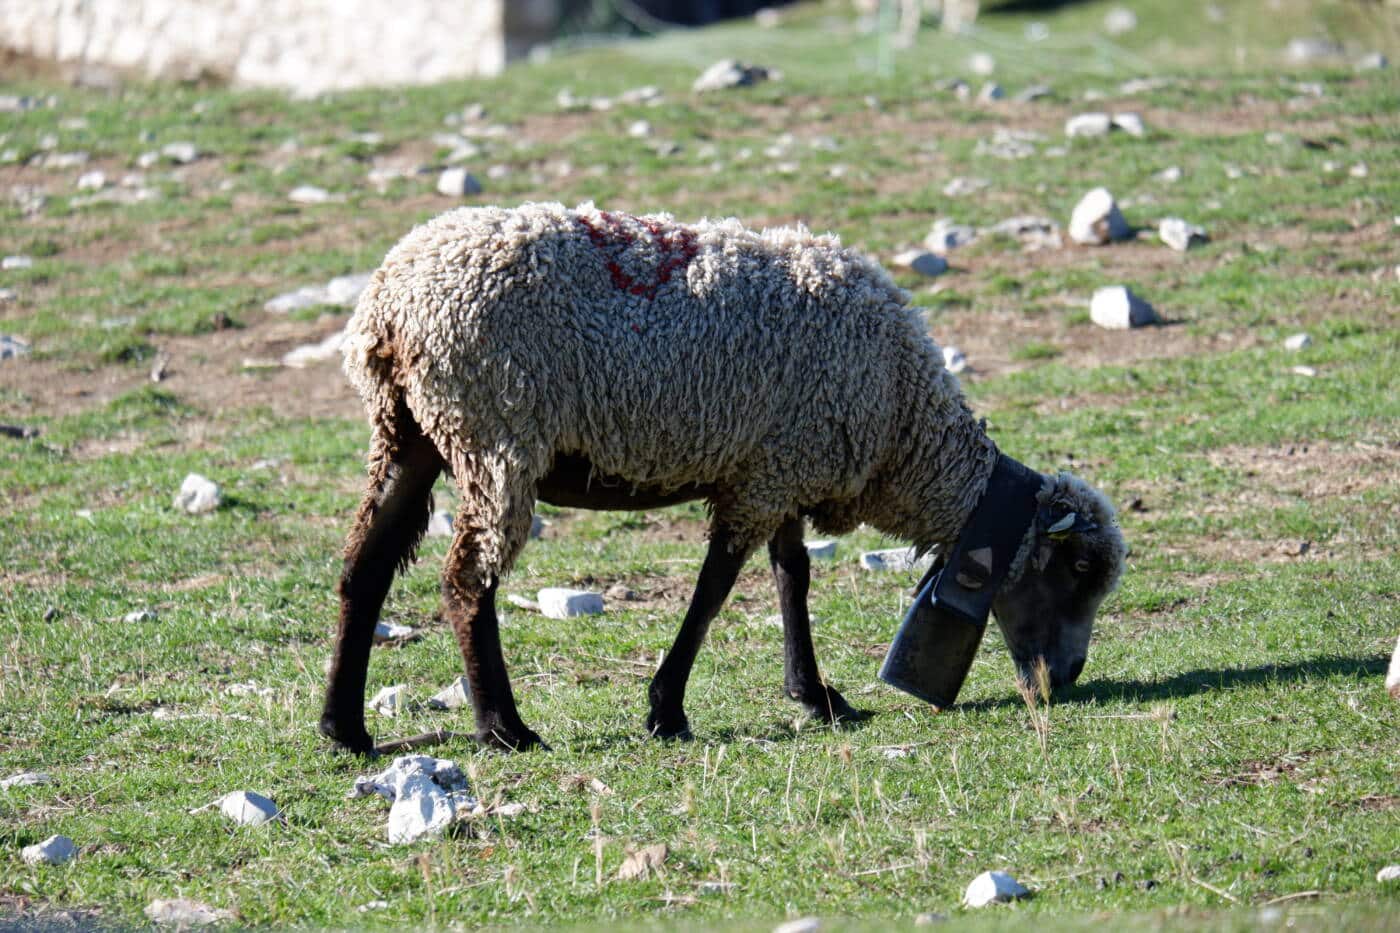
[
  {"x": 1315, "y": 470},
  {"x": 1255, "y": 773}
]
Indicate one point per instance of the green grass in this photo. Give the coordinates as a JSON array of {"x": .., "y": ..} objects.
[{"x": 1230, "y": 741}]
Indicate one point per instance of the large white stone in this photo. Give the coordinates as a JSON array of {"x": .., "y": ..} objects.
[
  {"x": 16, "y": 262},
  {"x": 428, "y": 794},
  {"x": 198, "y": 495},
  {"x": 308, "y": 296},
  {"x": 993, "y": 887},
  {"x": 390, "y": 701},
  {"x": 457, "y": 183},
  {"x": 247, "y": 808},
  {"x": 562, "y": 603},
  {"x": 54, "y": 850},
  {"x": 1117, "y": 308},
  {"x": 945, "y": 236},
  {"x": 181, "y": 152},
  {"x": 1180, "y": 235},
  {"x": 1130, "y": 123},
  {"x": 392, "y": 631},
  {"x": 1096, "y": 220},
  {"x": 454, "y": 696}
]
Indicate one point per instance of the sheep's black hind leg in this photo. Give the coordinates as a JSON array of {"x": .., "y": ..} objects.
[
  {"x": 792, "y": 572},
  {"x": 667, "y": 694},
  {"x": 388, "y": 526}
]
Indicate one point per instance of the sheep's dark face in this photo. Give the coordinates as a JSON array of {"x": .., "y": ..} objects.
[{"x": 1049, "y": 612}]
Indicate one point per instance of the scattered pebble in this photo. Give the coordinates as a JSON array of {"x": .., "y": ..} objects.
[
  {"x": 247, "y": 808},
  {"x": 10, "y": 263},
  {"x": 960, "y": 186},
  {"x": 1305, "y": 371},
  {"x": 1171, "y": 174},
  {"x": 954, "y": 360},
  {"x": 1119, "y": 20},
  {"x": 1180, "y": 235},
  {"x": 1117, "y": 308},
  {"x": 1130, "y": 123},
  {"x": 308, "y": 194},
  {"x": 1009, "y": 144},
  {"x": 181, "y": 153},
  {"x": 140, "y": 615},
  {"x": 54, "y": 850},
  {"x": 454, "y": 696},
  {"x": 639, "y": 129},
  {"x": 904, "y": 558},
  {"x": 1298, "y": 342},
  {"x": 26, "y": 779},
  {"x": 993, "y": 887},
  {"x": 198, "y": 495},
  {"x": 1096, "y": 220},
  {"x": 947, "y": 235},
  {"x": 92, "y": 181},
  {"x": 1359, "y": 170},
  {"x": 982, "y": 64},
  {"x": 390, "y": 701},
  {"x": 305, "y": 355},
  {"x": 1088, "y": 124},
  {"x": 728, "y": 73},
  {"x": 1372, "y": 61},
  {"x": 457, "y": 183},
  {"x": 564, "y": 603},
  {"x": 821, "y": 550},
  {"x": 12, "y": 347},
  {"x": 372, "y": 905},
  {"x": 393, "y": 632},
  {"x": 921, "y": 261},
  {"x": 183, "y": 912}
]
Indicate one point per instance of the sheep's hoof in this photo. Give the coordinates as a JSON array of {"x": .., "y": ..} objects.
[
  {"x": 521, "y": 739},
  {"x": 827, "y": 705},
  {"x": 347, "y": 741},
  {"x": 675, "y": 727}
]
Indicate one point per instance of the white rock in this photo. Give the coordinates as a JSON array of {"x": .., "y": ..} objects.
[
  {"x": 1307, "y": 371},
  {"x": 1372, "y": 61},
  {"x": 1119, "y": 20},
  {"x": 1312, "y": 49},
  {"x": 454, "y": 696},
  {"x": 247, "y": 808},
  {"x": 308, "y": 194},
  {"x": 980, "y": 63},
  {"x": 821, "y": 550},
  {"x": 640, "y": 129},
  {"x": 12, "y": 347},
  {"x": 991, "y": 91},
  {"x": 947, "y": 235},
  {"x": 903, "y": 558},
  {"x": 7, "y": 294},
  {"x": 54, "y": 850},
  {"x": 26, "y": 779},
  {"x": 1392, "y": 677},
  {"x": 457, "y": 183},
  {"x": 16, "y": 262},
  {"x": 428, "y": 794},
  {"x": 440, "y": 524},
  {"x": 327, "y": 349},
  {"x": 1171, "y": 174},
  {"x": 140, "y": 615},
  {"x": 1388, "y": 873},
  {"x": 959, "y": 186},
  {"x": 1297, "y": 342},
  {"x": 1032, "y": 92},
  {"x": 1180, "y": 235},
  {"x": 1117, "y": 308},
  {"x": 183, "y": 912},
  {"x": 563, "y": 603},
  {"x": 92, "y": 181},
  {"x": 993, "y": 887},
  {"x": 922, "y": 261},
  {"x": 1088, "y": 124},
  {"x": 308, "y": 296},
  {"x": 1097, "y": 220},
  {"x": 1359, "y": 170},
  {"x": 800, "y": 925},
  {"x": 183, "y": 153},
  {"x": 198, "y": 495},
  {"x": 392, "y": 631},
  {"x": 1130, "y": 123},
  {"x": 954, "y": 360},
  {"x": 728, "y": 73},
  {"x": 390, "y": 701},
  {"x": 345, "y": 290}
]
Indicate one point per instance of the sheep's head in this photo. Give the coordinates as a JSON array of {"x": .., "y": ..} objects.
[{"x": 1071, "y": 560}]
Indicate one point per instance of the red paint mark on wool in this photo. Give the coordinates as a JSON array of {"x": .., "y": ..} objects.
[{"x": 611, "y": 237}]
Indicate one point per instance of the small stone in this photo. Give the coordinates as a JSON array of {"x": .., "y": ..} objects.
[
  {"x": 1130, "y": 123},
  {"x": 954, "y": 360},
  {"x": 308, "y": 296},
  {"x": 728, "y": 73},
  {"x": 308, "y": 194},
  {"x": 1170, "y": 175},
  {"x": 393, "y": 632},
  {"x": 1359, "y": 170},
  {"x": 821, "y": 550},
  {"x": 458, "y": 183},
  {"x": 440, "y": 524},
  {"x": 1088, "y": 124},
  {"x": 960, "y": 186},
  {"x": 10, "y": 263},
  {"x": 303, "y": 356},
  {"x": 182, "y": 153},
  {"x": 563, "y": 603},
  {"x": 1096, "y": 220},
  {"x": 980, "y": 63},
  {"x": 1119, "y": 20},
  {"x": 183, "y": 912},
  {"x": 522, "y": 602},
  {"x": 991, "y": 91},
  {"x": 921, "y": 261},
  {"x": 904, "y": 558},
  {"x": 92, "y": 181},
  {"x": 454, "y": 696},
  {"x": 1388, "y": 873},
  {"x": 12, "y": 347},
  {"x": 1307, "y": 372},
  {"x": 1297, "y": 342},
  {"x": 993, "y": 887},
  {"x": 140, "y": 615},
  {"x": 639, "y": 129},
  {"x": 947, "y": 235},
  {"x": 247, "y": 808},
  {"x": 1031, "y": 93},
  {"x": 1304, "y": 50},
  {"x": 800, "y": 925},
  {"x": 1117, "y": 308},
  {"x": 390, "y": 701},
  {"x": 26, "y": 779},
  {"x": 1392, "y": 677},
  {"x": 1180, "y": 235},
  {"x": 1372, "y": 61},
  {"x": 54, "y": 850},
  {"x": 929, "y": 919},
  {"x": 197, "y": 495}
]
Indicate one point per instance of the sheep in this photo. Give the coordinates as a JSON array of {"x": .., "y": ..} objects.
[{"x": 599, "y": 360}]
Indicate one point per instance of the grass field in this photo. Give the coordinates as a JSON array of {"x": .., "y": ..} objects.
[{"x": 1229, "y": 758}]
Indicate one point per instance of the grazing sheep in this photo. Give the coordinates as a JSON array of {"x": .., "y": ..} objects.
[{"x": 599, "y": 360}]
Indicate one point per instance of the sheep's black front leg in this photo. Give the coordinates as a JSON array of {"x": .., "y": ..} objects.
[
  {"x": 792, "y": 572},
  {"x": 387, "y": 528},
  {"x": 667, "y": 694}
]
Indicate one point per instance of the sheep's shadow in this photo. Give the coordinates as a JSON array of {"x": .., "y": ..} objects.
[
  {"x": 1190, "y": 683},
  {"x": 770, "y": 732}
]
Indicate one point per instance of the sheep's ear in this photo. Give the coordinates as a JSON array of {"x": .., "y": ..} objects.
[{"x": 1058, "y": 522}]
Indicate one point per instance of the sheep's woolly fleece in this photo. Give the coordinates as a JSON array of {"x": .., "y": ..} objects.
[{"x": 784, "y": 372}]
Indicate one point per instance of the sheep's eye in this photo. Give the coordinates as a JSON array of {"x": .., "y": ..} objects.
[{"x": 1081, "y": 566}]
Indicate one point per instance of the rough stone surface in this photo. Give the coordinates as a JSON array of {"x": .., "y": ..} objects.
[
  {"x": 428, "y": 795},
  {"x": 12, "y": 347},
  {"x": 1308, "y": 49},
  {"x": 1130, "y": 123},
  {"x": 728, "y": 73},
  {"x": 140, "y": 615},
  {"x": 390, "y": 701},
  {"x": 954, "y": 360},
  {"x": 247, "y": 808},
  {"x": 993, "y": 887},
  {"x": 344, "y": 290},
  {"x": 903, "y": 558},
  {"x": 454, "y": 696},
  {"x": 980, "y": 63},
  {"x": 308, "y": 194},
  {"x": 1372, "y": 61},
  {"x": 54, "y": 850},
  {"x": 1388, "y": 873},
  {"x": 821, "y": 550},
  {"x": 1297, "y": 342},
  {"x": 181, "y": 153},
  {"x": 1096, "y": 220},
  {"x": 26, "y": 779},
  {"x": 1088, "y": 124},
  {"x": 183, "y": 912},
  {"x": 457, "y": 183},
  {"x": 1031, "y": 93},
  {"x": 563, "y": 603},
  {"x": 960, "y": 186},
  {"x": 1180, "y": 235},
  {"x": 198, "y": 495},
  {"x": 922, "y": 261},
  {"x": 308, "y": 296},
  {"x": 392, "y": 632},
  {"x": 1117, "y": 308}
]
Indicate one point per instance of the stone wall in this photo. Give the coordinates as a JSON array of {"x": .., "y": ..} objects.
[{"x": 305, "y": 46}]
